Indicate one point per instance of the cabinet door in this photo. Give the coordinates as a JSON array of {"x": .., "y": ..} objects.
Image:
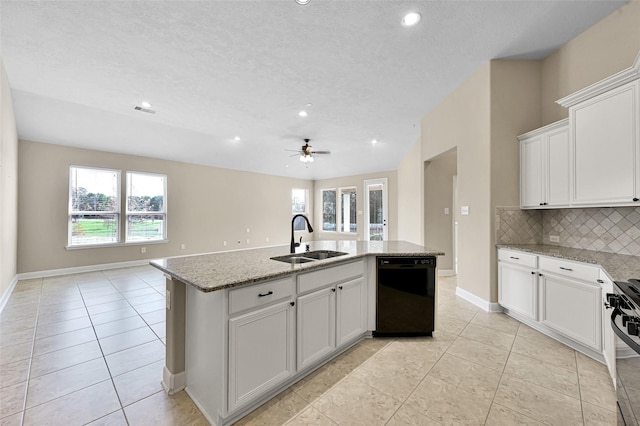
[
  {"x": 316, "y": 326},
  {"x": 531, "y": 172},
  {"x": 261, "y": 351},
  {"x": 608, "y": 336},
  {"x": 605, "y": 142},
  {"x": 518, "y": 289},
  {"x": 572, "y": 308},
  {"x": 351, "y": 319},
  {"x": 557, "y": 171}
]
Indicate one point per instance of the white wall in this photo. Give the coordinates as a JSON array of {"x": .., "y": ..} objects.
[{"x": 8, "y": 186}]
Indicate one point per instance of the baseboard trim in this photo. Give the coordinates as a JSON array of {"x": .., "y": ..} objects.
[
  {"x": 80, "y": 269},
  {"x": 446, "y": 272},
  {"x": 7, "y": 293},
  {"x": 478, "y": 301},
  {"x": 173, "y": 383}
]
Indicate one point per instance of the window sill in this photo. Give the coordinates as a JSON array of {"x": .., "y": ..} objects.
[{"x": 109, "y": 245}]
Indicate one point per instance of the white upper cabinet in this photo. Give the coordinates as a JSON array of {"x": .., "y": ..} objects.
[
  {"x": 544, "y": 166},
  {"x": 606, "y": 145},
  {"x": 604, "y": 141}
]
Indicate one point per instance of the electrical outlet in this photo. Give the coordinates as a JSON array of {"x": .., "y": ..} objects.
[
  {"x": 247, "y": 241},
  {"x": 143, "y": 250},
  {"x": 554, "y": 238},
  {"x": 224, "y": 243},
  {"x": 267, "y": 239},
  {"x": 182, "y": 246},
  {"x": 247, "y": 230}
]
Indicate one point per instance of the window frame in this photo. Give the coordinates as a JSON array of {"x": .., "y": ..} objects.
[
  {"x": 339, "y": 195},
  {"x": 128, "y": 213},
  {"x": 335, "y": 213},
  {"x": 116, "y": 212},
  {"x": 306, "y": 208},
  {"x": 121, "y": 213}
]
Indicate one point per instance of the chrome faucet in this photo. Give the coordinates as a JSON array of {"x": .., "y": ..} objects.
[{"x": 293, "y": 243}]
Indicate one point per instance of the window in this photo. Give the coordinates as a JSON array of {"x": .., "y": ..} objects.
[
  {"x": 348, "y": 213},
  {"x": 329, "y": 209},
  {"x": 95, "y": 209},
  {"x": 94, "y": 205},
  {"x": 299, "y": 206},
  {"x": 146, "y": 207}
]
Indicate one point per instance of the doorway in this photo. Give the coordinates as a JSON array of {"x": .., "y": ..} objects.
[{"x": 375, "y": 210}]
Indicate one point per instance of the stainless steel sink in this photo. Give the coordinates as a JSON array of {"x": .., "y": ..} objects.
[{"x": 308, "y": 256}]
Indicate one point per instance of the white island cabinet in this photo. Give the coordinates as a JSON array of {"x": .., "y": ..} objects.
[{"x": 243, "y": 327}]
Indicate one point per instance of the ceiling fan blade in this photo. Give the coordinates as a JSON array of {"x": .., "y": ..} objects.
[
  {"x": 293, "y": 150},
  {"x": 321, "y": 152}
]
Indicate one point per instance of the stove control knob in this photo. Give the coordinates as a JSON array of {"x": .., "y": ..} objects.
[
  {"x": 626, "y": 319},
  {"x": 632, "y": 327},
  {"x": 613, "y": 300}
]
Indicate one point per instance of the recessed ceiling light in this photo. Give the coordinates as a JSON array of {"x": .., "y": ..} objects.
[
  {"x": 303, "y": 113},
  {"x": 374, "y": 141},
  {"x": 302, "y": 1},
  {"x": 410, "y": 19},
  {"x": 236, "y": 138},
  {"x": 145, "y": 104}
]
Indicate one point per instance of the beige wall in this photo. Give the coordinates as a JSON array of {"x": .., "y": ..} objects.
[
  {"x": 206, "y": 206},
  {"x": 461, "y": 121},
  {"x": 410, "y": 197},
  {"x": 8, "y": 186},
  {"x": 606, "y": 48},
  {"x": 357, "y": 181},
  {"x": 438, "y": 189},
  {"x": 515, "y": 109}
]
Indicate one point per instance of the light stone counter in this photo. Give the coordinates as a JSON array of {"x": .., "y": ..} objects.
[
  {"x": 217, "y": 271},
  {"x": 620, "y": 267}
]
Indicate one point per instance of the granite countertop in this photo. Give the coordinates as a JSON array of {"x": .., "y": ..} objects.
[
  {"x": 217, "y": 271},
  {"x": 620, "y": 267}
]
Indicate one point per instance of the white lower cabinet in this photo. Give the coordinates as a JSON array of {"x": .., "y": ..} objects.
[
  {"x": 316, "y": 326},
  {"x": 608, "y": 336},
  {"x": 261, "y": 351},
  {"x": 572, "y": 308},
  {"x": 560, "y": 298},
  {"x": 517, "y": 289},
  {"x": 351, "y": 317}
]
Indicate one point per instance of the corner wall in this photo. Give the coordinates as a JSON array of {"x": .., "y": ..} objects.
[
  {"x": 410, "y": 197},
  {"x": 604, "y": 49},
  {"x": 8, "y": 187},
  {"x": 206, "y": 206}
]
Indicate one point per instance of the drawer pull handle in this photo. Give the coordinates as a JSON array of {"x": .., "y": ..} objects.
[
  {"x": 600, "y": 281},
  {"x": 566, "y": 269},
  {"x": 269, "y": 293},
  {"x": 513, "y": 257},
  {"x": 292, "y": 303},
  {"x": 340, "y": 287},
  {"x": 533, "y": 273}
]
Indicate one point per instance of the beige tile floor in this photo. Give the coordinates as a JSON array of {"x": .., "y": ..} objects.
[{"x": 89, "y": 349}]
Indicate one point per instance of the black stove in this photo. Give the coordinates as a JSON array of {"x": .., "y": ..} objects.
[{"x": 625, "y": 321}]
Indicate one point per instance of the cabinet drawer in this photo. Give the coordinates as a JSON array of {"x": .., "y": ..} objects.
[
  {"x": 580, "y": 271},
  {"x": 518, "y": 257},
  {"x": 260, "y": 294},
  {"x": 323, "y": 277}
]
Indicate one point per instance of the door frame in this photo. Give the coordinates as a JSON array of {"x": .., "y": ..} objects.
[{"x": 385, "y": 207}]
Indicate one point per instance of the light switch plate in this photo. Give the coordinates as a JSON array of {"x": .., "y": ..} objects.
[
  {"x": 168, "y": 298},
  {"x": 446, "y": 210},
  {"x": 464, "y": 210},
  {"x": 554, "y": 238}
]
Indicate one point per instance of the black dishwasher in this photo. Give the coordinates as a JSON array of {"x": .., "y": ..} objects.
[{"x": 406, "y": 296}]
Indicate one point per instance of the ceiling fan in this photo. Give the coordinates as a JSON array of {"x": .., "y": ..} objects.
[{"x": 306, "y": 152}]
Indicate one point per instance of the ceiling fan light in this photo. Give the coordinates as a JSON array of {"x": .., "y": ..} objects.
[
  {"x": 303, "y": 158},
  {"x": 310, "y": 159}
]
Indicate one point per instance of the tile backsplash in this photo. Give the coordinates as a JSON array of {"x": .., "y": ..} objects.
[
  {"x": 607, "y": 229},
  {"x": 515, "y": 226}
]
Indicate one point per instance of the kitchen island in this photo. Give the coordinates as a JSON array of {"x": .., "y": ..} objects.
[{"x": 242, "y": 327}]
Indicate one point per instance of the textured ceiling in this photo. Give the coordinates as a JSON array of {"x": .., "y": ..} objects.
[{"x": 216, "y": 69}]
